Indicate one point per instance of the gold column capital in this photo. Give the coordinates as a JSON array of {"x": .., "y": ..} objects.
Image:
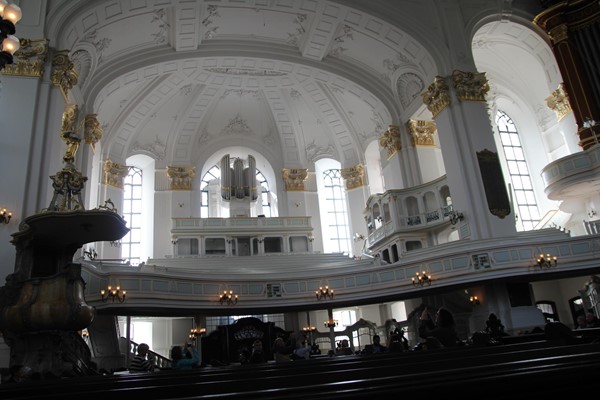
[
  {"x": 354, "y": 176},
  {"x": 390, "y": 140},
  {"x": 559, "y": 102},
  {"x": 29, "y": 60},
  {"x": 114, "y": 174},
  {"x": 180, "y": 177},
  {"x": 294, "y": 179},
  {"x": 422, "y": 132},
  {"x": 437, "y": 96},
  {"x": 470, "y": 86}
]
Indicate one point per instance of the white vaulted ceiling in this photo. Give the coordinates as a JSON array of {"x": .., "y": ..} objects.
[{"x": 294, "y": 80}]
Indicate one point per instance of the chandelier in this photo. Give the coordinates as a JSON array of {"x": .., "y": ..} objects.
[
  {"x": 331, "y": 323},
  {"x": 195, "y": 332}
]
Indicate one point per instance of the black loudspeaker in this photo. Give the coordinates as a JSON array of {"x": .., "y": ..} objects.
[{"x": 519, "y": 294}]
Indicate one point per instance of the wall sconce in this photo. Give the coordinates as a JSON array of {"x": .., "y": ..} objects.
[
  {"x": 422, "y": 279},
  {"x": 455, "y": 217},
  {"x": 195, "y": 332},
  {"x": 113, "y": 294},
  {"x": 309, "y": 329},
  {"x": 91, "y": 254},
  {"x": 547, "y": 261},
  {"x": 5, "y": 216},
  {"x": 324, "y": 293},
  {"x": 10, "y": 14},
  {"x": 378, "y": 218},
  {"x": 474, "y": 301},
  {"x": 370, "y": 226},
  {"x": 358, "y": 237},
  {"x": 174, "y": 241},
  {"x": 115, "y": 243},
  {"x": 228, "y": 298},
  {"x": 311, "y": 238},
  {"x": 330, "y": 323},
  {"x": 229, "y": 240}
]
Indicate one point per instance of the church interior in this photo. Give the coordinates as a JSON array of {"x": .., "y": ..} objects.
[{"x": 219, "y": 171}]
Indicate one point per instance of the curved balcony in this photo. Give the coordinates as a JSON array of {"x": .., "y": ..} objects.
[
  {"x": 281, "y": 283},
  {"x": 574, "y": 175}
]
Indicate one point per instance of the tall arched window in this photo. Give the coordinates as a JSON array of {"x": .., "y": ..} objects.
[
  {"x": 336, "y": 222},
  {"x": 524, "y": 201},
  {"x": 132, "y": 212}
]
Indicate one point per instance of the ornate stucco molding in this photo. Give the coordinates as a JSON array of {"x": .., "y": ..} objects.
[
  {"x": 180, "y": 178},
  {"x": 559, "y": 102},
  {"x": 92, "y": 130},
  {"x": 294, "y": 179},
  {"x": 390, "y": 140},
  {"x": 114, "y": 174},
  {"x": 470, "y": 86},
  {"x": 68, "y": 132},
  {"x": 437, "y": 96},
  {"x": 29, "y": 60},
  {"x": 422, "y": 132},
  {"x": 64, "y": 75},
  {"x": 354, "y": 176}
]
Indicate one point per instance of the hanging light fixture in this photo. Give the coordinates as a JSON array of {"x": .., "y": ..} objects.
[
  {"x": 324, "y": 293},
  {"x": 331, "y": 323},
  {"x": 228, "y": 298},
  {"x": 474, "y": 301},
  {"x": 421, "y": 279},
  {"x": 546, "y": 261},
  {"x": 10, "y": 14},
  {"x": 196, "y": 332},
  {"x": 113, "y": 294}
]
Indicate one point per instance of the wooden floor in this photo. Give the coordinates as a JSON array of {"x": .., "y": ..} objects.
[{"x": 527, "y": 370}]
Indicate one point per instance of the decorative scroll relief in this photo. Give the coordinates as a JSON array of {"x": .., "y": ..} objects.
[
  {"x": 64, "y": 74},
  {"x": 354, "y": 176},
  {"x": 294, "y": 179},
  {"x": 470, "y": 86},
  {"x": 422, "y": 132},
  {"x": 390, "y": 140},
  {"x": 437, "y": 96},
  {"x": 29, "y": 59},
  {"x": 114, "y": 174},
  {"x": 559, "y": 102},
  {"x": 92, "y": 130},
  {"x": 68, "y": 130},
  {"x": 180, "y": 178}
]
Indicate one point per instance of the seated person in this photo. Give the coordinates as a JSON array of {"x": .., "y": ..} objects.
[
  {"x": 143, "y": 361},
  {"x": 257, "y": 355},
  {"x": 179, "y": 359},
  {"x": 375, "y": 347},
  {"x": 344, "y": 348}
]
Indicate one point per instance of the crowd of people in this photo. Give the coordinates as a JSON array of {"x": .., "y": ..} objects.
[{"x": 435, "y": 330}]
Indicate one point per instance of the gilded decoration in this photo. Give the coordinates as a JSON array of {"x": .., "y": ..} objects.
[
  {"x": 559, "y": 102},
  {"x": 390, "y": 140},
  {"x": 354, "y": 176},
  {"x": 422, "y": 132},
  {"x": 92, "y": 130},
  {"x": 64, "y": 74},
  {"x": 559, "y": 33},
  {"x": 437, "y": 96},
  {"x": 180, "y": 178},
  {"x": 294, "y": 179},
  {"x": 67, "y": 132},
  {"x": 114, "y": 174},
  {"x": 29, "y": 60},
  {"x": 470, "y": 86}
]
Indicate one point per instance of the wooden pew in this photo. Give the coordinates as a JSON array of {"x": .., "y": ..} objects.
[{"x": 354, "y": 372}]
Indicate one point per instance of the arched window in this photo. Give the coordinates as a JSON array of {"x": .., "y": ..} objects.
[
  {"x": 213, "y": 176},
  {"x": 524, "y": 202},
  {"x": 132, "y": 212},
  {"x": 336, "y": 221}
]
